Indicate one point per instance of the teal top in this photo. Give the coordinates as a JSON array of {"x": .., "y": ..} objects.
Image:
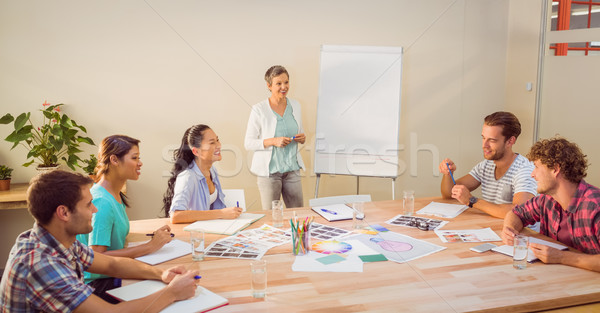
[
  {"x": 111, "y": 225},
  {"x": 284, "y": 159}
]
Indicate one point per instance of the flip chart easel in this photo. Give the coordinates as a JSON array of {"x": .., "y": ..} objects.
[{"x": 358, "y": 114}]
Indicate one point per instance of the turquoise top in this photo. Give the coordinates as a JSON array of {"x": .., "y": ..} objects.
[
  {"x": 284, "y": 159},
  {"x": 111, "y": 225}
]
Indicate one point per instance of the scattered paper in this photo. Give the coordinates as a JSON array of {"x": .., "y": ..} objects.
[{"x": 469, "y": 235}]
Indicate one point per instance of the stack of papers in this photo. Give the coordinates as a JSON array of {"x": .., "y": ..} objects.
[
  {"x": 509, "y": 250},
  {"x": 334, "y": 212},
  {"x": 225, "y": 227},
  {"x": 445, "y": 210},
  {"x": 204, "y": 299}
]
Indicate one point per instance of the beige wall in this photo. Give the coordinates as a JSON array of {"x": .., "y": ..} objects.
[{"x": 151, "y": 69}]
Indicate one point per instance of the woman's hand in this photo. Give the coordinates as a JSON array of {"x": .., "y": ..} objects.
[
  {"x": 230, "y": 213},
  {"x": 280, "y": 142},
  {"x": 161, "y": 237},
  {"x": 301, "y": 138}
]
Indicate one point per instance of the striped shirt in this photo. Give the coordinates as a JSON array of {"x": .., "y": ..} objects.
[
  {"x": 43, "y": 275},
  {"x": 516, "y": 179},
  {"x": 581, "y": 218}
]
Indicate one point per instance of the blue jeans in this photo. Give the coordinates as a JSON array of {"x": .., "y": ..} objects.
[{"x": 287, "y": 184}]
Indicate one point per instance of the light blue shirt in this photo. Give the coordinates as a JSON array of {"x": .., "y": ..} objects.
[
  {"x": 111, "y": 225},
  {"x": 284, "y": 159},
  {"x": 191, "y": 191}
]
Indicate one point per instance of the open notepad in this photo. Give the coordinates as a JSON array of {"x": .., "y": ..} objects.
[
  {"x": 204, "y": 299},
  {"x": 445, "y": 210},
  {"x": 509, "y": 250},
  {"x": 225, "y": 227},
  {"x": 172, "y": 250},
  {"x": 334, "y": 212}
]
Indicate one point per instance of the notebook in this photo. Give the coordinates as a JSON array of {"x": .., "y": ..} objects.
[
  {"x": 225, "y": 227},
  {"x": 334, "y": 212},
  {"x": 508, "y": 250},
  {"x": 445, "y": 210},
  {"x": 172, "y": 250},
  {"x": 203, "y": 301}
]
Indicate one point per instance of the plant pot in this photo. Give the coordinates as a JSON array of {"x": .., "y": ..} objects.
[
  {"x": 42, "y": 170},
  {"x": 5, "y": 184}
]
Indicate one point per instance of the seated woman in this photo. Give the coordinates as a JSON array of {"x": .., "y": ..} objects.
[
  {"x": 194, "y": 192},
  {"x": 118, "y": 161}
]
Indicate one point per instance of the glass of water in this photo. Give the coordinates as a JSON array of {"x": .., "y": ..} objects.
[
  {"x": 408, "y": 202},
  {"x": 197, "y": 241},
  {"x": 259, "y": 278},
  {"x": 521, "y": 247},
  {"x": 277, "y": 210}
]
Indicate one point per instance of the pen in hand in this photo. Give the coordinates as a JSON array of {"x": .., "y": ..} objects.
[
  {"x": 449, "y": 171},
  {"x": 152, "y": 235}
]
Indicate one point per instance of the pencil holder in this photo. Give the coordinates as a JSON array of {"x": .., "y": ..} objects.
[{"x": 301, "y": 240}]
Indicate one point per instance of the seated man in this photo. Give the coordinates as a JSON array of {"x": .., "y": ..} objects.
[
  {"x": 504, "y": 175},
  {"x": 567, "y": 208},
  {"x": 44, "y": 272}
]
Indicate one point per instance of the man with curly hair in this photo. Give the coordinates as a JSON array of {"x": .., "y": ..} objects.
[{"x": 567, "y": 208}]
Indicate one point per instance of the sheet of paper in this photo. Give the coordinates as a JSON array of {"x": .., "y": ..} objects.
[
  {"x": 444, "y": 210},
  {"x": 223, "y": 226},
  {"x": 397, "y": 247},
  {"x": 468, "y": 235},
  {"x": 249, "y": 244},
  {"x": 509, "y": 250},
  {"x": 413, "y": 221},
  {"x": 202, "y": 301},
  {"x": 172, "y": 250}
]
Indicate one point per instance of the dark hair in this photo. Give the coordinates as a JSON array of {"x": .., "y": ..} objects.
[
  {"x": 183, "y": 158},
  {"x": 275, "y": 71},
  {"x": 559, "y": 151},
  {"x": 119, "y": 146},
  {"x": 48, "y": 191},
  {"x": 509, "y": 122}
]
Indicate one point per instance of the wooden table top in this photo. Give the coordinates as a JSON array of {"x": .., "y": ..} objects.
[
  {"x": 453, "y": 280},
  {"x": 15, "y": 198}
]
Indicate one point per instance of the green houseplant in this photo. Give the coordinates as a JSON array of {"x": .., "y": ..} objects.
[
  {"x": 90, "y": 167},
  {"x": 58, "y": 137},
  {"x": 5, "y": 175}
]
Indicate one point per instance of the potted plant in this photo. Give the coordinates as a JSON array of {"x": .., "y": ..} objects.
[
  {"x": 90, "y": 167},
  {"x": 58, "y": 137},
  {"x": 5, "y": 174}
]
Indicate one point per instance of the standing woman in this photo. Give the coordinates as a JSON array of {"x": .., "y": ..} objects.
[
  {"x": 118, "y": 161},
  {"x": 273, "y": 133},
  {"x": 194, "y": 191}
]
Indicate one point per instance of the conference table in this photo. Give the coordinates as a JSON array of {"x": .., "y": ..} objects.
[{"x": 452, "y": 280}]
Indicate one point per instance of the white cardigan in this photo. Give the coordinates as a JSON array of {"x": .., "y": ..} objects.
[{"x": 261, "y": 125}]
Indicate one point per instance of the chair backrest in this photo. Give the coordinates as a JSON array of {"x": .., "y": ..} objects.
[
  {"x": 339, "y": 199},
  {"x": 233, "y": 196}
]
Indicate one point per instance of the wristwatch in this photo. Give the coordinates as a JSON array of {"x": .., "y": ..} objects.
[{"x": 472, "y": 201}]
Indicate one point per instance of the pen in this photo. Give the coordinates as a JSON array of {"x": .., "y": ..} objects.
[
  {"x": 237, "y": 204},
  {"x": 451, "y": 176},
  {"x": 329, "y": 211},
  {"x": 197, "y": 277},
  {"x": 293, "y": 137},
  {"x": 152, "y": 235}
]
